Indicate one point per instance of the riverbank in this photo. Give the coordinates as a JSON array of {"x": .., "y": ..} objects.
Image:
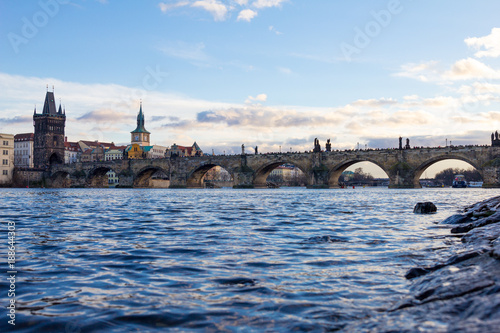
[{"x": 461, "y": 294}]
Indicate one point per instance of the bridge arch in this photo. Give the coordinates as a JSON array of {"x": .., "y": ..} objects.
[
  {"x": 265, "y": 170},
  {"x": 419, "y": 170},
  {"x": 55, "y": 159},
  {"x": 335, "y": 173},
  {"x": 60, "y": 179},
  {"x": 97, "y": 177},
  {"x": 195, "y": 177},
  {"x": 144, "y": 178}
]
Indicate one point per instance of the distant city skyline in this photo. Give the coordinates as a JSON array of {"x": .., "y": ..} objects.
[{"x": 269, "y": 73}]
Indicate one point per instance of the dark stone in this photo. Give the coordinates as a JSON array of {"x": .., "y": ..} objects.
[
  {"x": 416, "y": 272},
  {"x": 325, "y": 239},
  {"x": 476, "y": 224},
  {"x": 424, "y": 208},
  {"x": 457, "y": 219}
]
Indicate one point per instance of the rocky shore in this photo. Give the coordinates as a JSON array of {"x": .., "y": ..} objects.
[{"x": 461, "y": 294}]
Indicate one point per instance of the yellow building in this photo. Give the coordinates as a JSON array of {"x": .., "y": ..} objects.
[
  {"x": 7, "y": 153},
  {"x": 135, "y": 151}
]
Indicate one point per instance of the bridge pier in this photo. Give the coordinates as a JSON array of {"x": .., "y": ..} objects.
[
  {"x": 244, "y": 178},
  {"x": 402, "y": 175},
  {"x": 491, "y": 175},
  {"x": 318, "y": 178}
]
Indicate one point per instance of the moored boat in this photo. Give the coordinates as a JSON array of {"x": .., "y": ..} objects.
[{"x": 459, "y": 182}]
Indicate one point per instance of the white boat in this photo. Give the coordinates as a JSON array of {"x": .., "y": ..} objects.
[{"x": 475, "y": 184}]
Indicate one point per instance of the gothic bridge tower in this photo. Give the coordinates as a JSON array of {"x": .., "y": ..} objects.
[{"x": 49, "y": 134}]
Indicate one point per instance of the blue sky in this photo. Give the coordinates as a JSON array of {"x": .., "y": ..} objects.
[{"x": 260, "y": 72}]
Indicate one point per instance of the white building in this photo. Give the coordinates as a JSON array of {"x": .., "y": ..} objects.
[
  {"x": 113, "y": 154},
  {"x": 7, "y": 151},
  {"x": 156, "y": 151},
  {"x": 109, "y": 155},
  {"x": 113, "y": 178},
  {"x": 23, "y": 150},
  {"x": 72, "y": 152}
]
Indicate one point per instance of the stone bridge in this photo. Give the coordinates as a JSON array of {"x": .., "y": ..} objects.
[{"x": 322, "y": 169}]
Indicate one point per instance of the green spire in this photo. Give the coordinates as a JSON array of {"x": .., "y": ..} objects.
[{"x": 140, "y": 122}]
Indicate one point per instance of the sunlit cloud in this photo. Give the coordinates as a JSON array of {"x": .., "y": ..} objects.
[
  {"x": 488, "y": 46},
  {"x": 106, "y": 115},
  {"x": 425, "y": 71},
  {"x": 258, "y": 98},
  {"x": 466, "y": 69},
  {"x": 374, "y": 102}
]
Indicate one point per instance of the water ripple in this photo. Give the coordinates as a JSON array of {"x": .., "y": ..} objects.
[{"x": 119, "y": 260}]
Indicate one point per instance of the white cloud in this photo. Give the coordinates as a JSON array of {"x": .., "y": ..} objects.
[
  {"x": 426, "y": 71},
  {"x": 258, "y": 98},
  {"x": 466, "y": 69},
  {"x": 165, "y": 7},
  {"x": 374, "y": 102},
  {"x": 220, "y": 10},
  {"x": 273, "y": 29},
  {"x": 214, "y": 7},
  {"x": 490, "y": 43},
  {"x": 183, "y": 50},
  {"x": 246, "y": 15},
  {"x": 285, "y": 70},
  {"x": 267, "y": 3},
  {"x": 108, "y": 113}
]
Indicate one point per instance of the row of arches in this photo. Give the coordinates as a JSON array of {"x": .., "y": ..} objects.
[{"x": 212, "y": 175}]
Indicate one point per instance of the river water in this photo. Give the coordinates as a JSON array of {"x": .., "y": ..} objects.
[{"x": 221, "y": 260}]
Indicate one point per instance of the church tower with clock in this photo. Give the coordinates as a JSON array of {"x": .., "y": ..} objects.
[{"x": 140, "y": 136}]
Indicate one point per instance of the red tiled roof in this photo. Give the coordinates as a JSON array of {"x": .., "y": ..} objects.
[
  {"x": 24, "y": 137},
  {"x": 99, "y": 144}
]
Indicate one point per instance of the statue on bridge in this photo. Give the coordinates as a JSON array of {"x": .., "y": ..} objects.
[
  {"x": 317, "y": 147},
  {"x": 243, "y": 149},
  {"x": 256, "y": 150},
  {"x": 400, "y": 143},
  {"x": 495, "y": 141},
  {"x": 328, "y": 145},
  {"x": 407, "y": 144}
]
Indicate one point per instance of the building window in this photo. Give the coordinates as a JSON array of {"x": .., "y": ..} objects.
[
  {"x": 5, "y": 172},
  {"x": 5, "y": 162},
  {"x": 6, "y": 152},
  {"x": 6, "y": 143}
]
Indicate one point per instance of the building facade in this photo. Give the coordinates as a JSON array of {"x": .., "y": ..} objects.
[
  {"x": 72, "y": 152},
  {"x": 7, "y": 165},
  {"x": 183, "y": 151},
  {"x": 49, "y": 134},
  {"x": 23, "y": 150}
]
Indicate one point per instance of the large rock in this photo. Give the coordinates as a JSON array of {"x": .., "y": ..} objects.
[{"x": 424, "y": 208}]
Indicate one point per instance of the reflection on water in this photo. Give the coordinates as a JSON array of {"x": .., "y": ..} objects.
[{"x": 118, "y": 260}]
